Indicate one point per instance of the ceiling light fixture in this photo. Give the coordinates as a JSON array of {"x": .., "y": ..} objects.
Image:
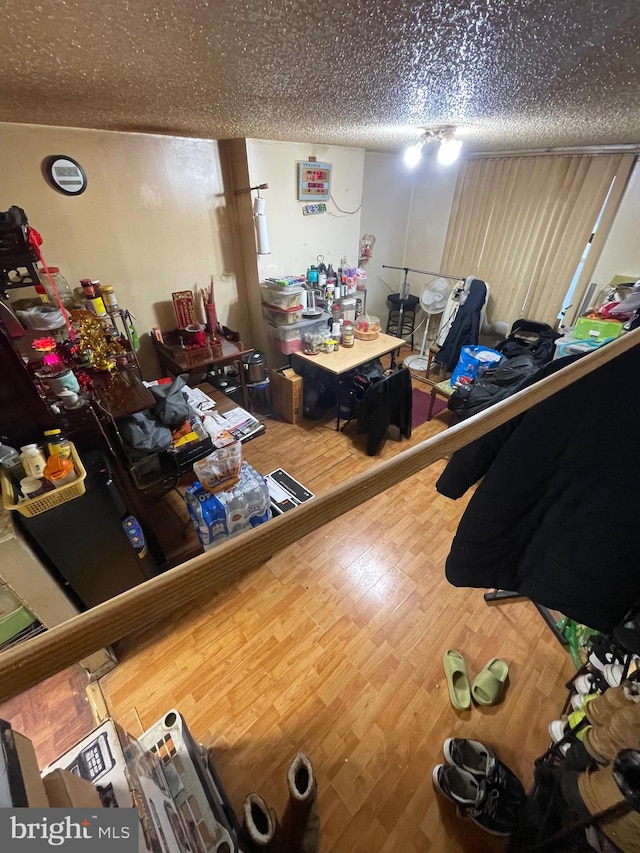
[{"x": 448, "y": 150}]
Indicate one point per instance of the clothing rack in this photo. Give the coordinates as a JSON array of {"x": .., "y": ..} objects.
[
  {"x": 405, "y": 289},
  {"x": 499, "y": 595}
]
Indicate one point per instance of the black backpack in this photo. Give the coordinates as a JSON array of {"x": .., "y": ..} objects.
[{"x": 530, "y": 338}]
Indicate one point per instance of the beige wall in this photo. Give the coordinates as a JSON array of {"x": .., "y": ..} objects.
[
  {"x": 408, "y": 212},
  {"x": 152, "y": 220},
  {"x": 296, "y": 240},
  {"x": 621, "y": 252}
]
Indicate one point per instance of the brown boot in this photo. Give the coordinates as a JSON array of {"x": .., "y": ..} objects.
[
  {"x": 600, "y": 709},
  {"x": 599, "y": 791},
  {"x": 301, "y": 821},
  {"x": 260, "y": 828},
  {"x": 603, "y": 742}
]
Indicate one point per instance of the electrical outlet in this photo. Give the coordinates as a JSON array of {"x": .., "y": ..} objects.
[{"x": 309, "y": 209}]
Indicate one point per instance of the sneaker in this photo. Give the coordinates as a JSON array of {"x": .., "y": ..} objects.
[
  {"x": 557, "y": 730},
  {"x": 576, "y": 701},
  {"x": 584, "y": 684},
  {"x": 482, "y": 762},
  {"x": 602, "y": 655},
  {"x": 472, "y": 796},
  {"x": 613, "y": 674}
]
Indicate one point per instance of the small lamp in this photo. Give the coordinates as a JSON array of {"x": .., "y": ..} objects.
[{"x": 448, "y": 151}]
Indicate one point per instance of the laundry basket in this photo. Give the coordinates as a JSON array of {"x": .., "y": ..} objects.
[{"x": 49, "y": 500}]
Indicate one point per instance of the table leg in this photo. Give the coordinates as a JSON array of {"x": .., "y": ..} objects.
[{"x": 338, "y": 403}]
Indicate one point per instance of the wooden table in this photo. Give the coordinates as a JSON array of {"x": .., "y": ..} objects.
[
  {"x": 176, "y": 360},
  {"x": 348, "y": 358},
  {"x": 121, "y": 392}
]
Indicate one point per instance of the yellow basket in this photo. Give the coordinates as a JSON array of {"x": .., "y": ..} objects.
[{"x": 49, "y": 500}]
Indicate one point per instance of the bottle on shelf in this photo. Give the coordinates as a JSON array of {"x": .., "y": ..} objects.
[
  {"x": 348, "y": 334},
  {"x": 331, "y": 276},
  {"x": 322, "y": 272},
  {"x": 109, "y": 298},
  {"x": 57, "y": 444},
  {"x": 312, "y": 276},
  {"x": 33, "y": 460},
  {"x": 92, "y": 298}
]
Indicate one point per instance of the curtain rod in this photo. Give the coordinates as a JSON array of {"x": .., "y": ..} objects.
[
  {"x": 556, "y": 152},
  {"x": 59, "y": 647},
  {"x": 423, "y": 272}
]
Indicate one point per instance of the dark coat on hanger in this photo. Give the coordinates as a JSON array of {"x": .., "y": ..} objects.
[
  {"x": 388, "y": 401},
  {"x": 465, "y": 328},
  {"x": 556, "y": 516}
]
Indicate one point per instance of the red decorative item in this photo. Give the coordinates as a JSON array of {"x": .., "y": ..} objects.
[
  {"x": 211, "y": 314},
  {"x": 194, "y": 336},
  {"x": 46, "y": 344},
  {"x": 184, "y": 308}
]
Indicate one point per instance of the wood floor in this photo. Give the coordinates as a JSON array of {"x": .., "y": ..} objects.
[
  {"x": 55, "y": 714},
  {"x": 334, "y": 647}
]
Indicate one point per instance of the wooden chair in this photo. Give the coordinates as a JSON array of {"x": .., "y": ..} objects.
[{"x": 440, "y": 386}]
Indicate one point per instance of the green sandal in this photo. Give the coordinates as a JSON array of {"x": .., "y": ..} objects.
[
  {"x": 489, "y": 684},
  {"x": 455, "y": 670}
]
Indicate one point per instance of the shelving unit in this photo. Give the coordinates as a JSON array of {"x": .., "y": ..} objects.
[{"x": 126, "y": 320}]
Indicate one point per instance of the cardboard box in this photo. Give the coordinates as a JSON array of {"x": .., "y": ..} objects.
[
  {"x": 286, "y": 394},
  {"x": 133, "y": 776},
  {"x": 25, "y": 787},
  {"x": 66, "y": 790}
]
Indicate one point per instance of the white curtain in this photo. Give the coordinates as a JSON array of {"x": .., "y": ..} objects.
[{"x": 522, "y": 225}]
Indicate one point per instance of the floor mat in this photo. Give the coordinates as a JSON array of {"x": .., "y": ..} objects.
[{"x": 420, "y": 407}]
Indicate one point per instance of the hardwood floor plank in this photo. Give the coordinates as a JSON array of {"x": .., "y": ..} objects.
[{"x": 334, "y": 646}]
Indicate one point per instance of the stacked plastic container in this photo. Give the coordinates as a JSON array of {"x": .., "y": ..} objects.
[{"x": 282, "y": 307}]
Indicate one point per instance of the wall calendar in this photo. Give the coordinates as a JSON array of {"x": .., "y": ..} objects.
[{"x": 314, "y": 181}]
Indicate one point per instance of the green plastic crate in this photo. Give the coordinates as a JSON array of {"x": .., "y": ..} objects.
[
  {"x": 14, "y": 623},
  {"x": 596, "y": 330}
]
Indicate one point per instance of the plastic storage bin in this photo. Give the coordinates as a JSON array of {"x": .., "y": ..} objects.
[
  {"x": 570, "y": 346},
  {"x": 281, "y": 297},
  {"x": 283, "y": 316},
  {"x": 288, "y": 347}
]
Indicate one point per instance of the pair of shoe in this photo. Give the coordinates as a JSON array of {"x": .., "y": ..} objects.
[
  {"x": 610, "y": 660},
  {"x": 617, "y": 728},
  {"x": 487, "y": 687},
  {"x": 300, "y": 829},
  {"x": 483, "y": 788},
  {"x": 589, "y": 682}
]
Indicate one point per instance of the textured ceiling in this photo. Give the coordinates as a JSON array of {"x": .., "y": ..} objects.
[{"x": 508, "y": 73}]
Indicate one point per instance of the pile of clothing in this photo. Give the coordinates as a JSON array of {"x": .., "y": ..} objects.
[{"x": 528, "y": 347}]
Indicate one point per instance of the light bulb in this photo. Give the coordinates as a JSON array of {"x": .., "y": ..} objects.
[
  {"x": 449, "y": 149},
  {"x": 413, "y": 155}
]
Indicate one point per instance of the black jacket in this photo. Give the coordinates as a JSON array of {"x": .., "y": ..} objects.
[
  {"x": 557, "y": 513},
  {"x": 465, "y": 327},
  {"x": 388, "y": 401}
]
